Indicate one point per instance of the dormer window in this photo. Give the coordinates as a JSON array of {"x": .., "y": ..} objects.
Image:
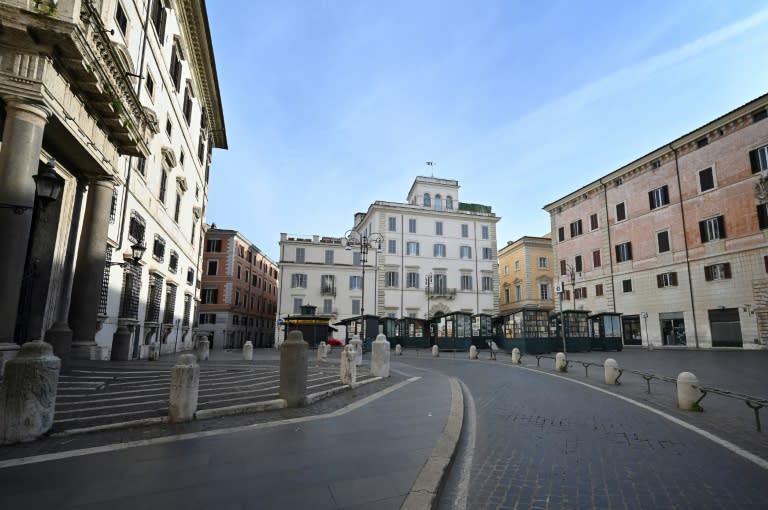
[{"x": 427, "y": 200}]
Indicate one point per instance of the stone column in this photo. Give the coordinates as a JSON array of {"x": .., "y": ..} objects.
[
  {"x": 185, "y": 384},
  {"x": 293, "y": 369},
  {"x": 89, "y": 270},
  {"x": 19, "y": 160},
  {"x": 380, "y": 356}
]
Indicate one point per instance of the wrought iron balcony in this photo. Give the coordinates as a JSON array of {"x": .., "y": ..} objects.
[
  {"x": 441, "y": 292},
  {"x": 328, "y": 291}
]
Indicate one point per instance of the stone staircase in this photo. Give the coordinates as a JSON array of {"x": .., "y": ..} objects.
[{"x": 98, "y": 396}]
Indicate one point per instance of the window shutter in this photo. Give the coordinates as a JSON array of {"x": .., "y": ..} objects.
[
  {"x": 618, "y": 254},
  {"x": 708, "y": 273},
  {"x": 727, "y": 269},
  {"x": 629, "y": 251},
  {"x": 659, "y": 280},
  {"x": 754, "y": 159},
  {"x": 721, "y": 226},
  {"x": 762, "y": 217},
  {"x": 673, "y": 278},
  {"x": 651, "y": 204},
  {"x": 703, "y": 231},
  {"x": 665, "y": 192}
]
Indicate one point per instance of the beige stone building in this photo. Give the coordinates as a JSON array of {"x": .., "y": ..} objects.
[
  {"x": 526, "y": 275},
  {"x": 121, "y": 100},
  {"x": 677, "y": 240}
]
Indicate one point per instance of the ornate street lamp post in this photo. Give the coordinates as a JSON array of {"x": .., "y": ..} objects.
[
  {"x": 363, "y": 242},
  {"x": 428, "y": 285}
]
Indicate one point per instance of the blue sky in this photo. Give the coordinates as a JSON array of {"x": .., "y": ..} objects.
[{"x": 331, "y": 105}]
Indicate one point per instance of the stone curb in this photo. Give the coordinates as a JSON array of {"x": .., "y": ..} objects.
[
  {"x": 425, "y": 489},
  {"x": 314, "y": 397},
  {"x": 269, "y": 405}
]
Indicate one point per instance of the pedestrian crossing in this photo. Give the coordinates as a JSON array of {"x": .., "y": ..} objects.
[{"x": 91, "y": 398}]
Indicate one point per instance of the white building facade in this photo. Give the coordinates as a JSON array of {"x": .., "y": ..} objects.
[{"x": 432, "y": 234}]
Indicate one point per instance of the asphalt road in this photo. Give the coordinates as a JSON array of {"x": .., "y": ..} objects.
[{"x": 536, "y": 440}]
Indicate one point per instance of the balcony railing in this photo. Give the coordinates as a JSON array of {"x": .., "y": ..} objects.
[
  {"x": 328, "y": 291},
  {"x": 441, "y": 292}
]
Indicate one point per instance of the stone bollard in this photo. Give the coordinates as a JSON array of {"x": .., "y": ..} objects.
[
  {"x": 321, "y": 352},
  {"x": 688, "y": 392},
  {"x": 293, "y": 369},
  {"x": 154, "y": 351},
  {"x": 28, "y": 394},
  {"x": 358, "y": 345},
  {"x": 399, "y": 350},
  {"x": 203, "y": 349},
  {"x": 380, "y": 356},
  {"x": 472, "y": 352},
  {"x": 328, "y": 349},
  {"x": 185, "y": 381},
  {"x": 611, "y": 371},
  {"x": 561, "y": 365},
  {"x": 348, "y": 366},
  {"x": 248, "y": 351},
  {"x": 435, "y": 351},
  {"x": 516, "y": 356}
]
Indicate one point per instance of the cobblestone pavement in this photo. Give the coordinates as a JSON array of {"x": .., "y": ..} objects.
[{"x": 544, "y": 442}]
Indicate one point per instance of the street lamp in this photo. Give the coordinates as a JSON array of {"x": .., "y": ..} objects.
[
  {"x": 48, "y": 188},
  {"x": 428, "y": 284},
  {"x": 363, "y": 242},
  {"x": 137, "y": 252},
  {"x": 571, "y": 273}
]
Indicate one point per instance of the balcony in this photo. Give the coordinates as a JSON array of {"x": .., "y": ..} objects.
[
  {"x": 328, "y": 291},
  {"x": 441, "y": 292}
]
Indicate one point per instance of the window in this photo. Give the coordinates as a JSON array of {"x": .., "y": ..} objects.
[
  {"x": 207, "y": 318},
  {"x": 329, "y": 257},
  {"x": 237, "y": 298},
  {"x": 187, "y": 109},
  {"x": 561, "y": 234},
  {"x": 666, "y": 279},
  {"x": 121, "y": 19},
  {"x": 300, "y": 252},
  {"x": 599, "y": 289},
  {"x": 327, "y": 306},
  {"x": 412, "y": 225},
  {"x": 506, "y": 296},
  {"x": 577, "y": 262},
  {"x": 621, "y": 212},
  {"x": 438, "y": 228},
  {"x": 464, "y": 230},
  {"x": 465, "y": 252},
  {"x": 448, "y": 202},
  {"x": 760, "y": 115},
  {"x": 439, "y": 250},
  {"x": 210, "y": 296},
  {"x": 466, "y": 282},
  {"x": 427, "y": 200},
  {"x": 706, "y": 180},
  {"x": 487, "y": 253},
  {"x": 544, "y": 291},
  {"x": 392, "y": 224},
  {"x": 163, "y": 186},
  {"x": 391, "y": 279},
  {"x": 624, "y": 252},
  {"x": 190, "y": 276},
  {"x": 158, "y": 248},
  {"x": 213, "y": 245},
  {"x": 168, "y": 127},
  {"x": 487, "y": 283},
  {"x": 762, "y": 216},
  {"x": 113, "y": 206},
  {"x": 355, "y": 282},
  {"x": 412, "y": 280},
  {"x": 175, "y": 69},
  {"x": 517, "y": 265},
  {"x": 239, "y": 271},
  {"x": 412, "y": 248},
  {"x": 392, "y": 246},
  {"x": 158, "y": 15},
  {"x": 662, "y": 241},
  {"x": 563, "y": 268},
  {"x": 506, "y": 269},
  {"x": 717, "y": 272},
  {"x": 758, "y": 158},
  {"x": 356, "y": 258},
  {"x": 626, "y": 285},
  {"x": 596, "y": 260},
  {"x": 297, "y": 302},
  {"x": 328, "y": 284},
  {"x": 518, "y": 293},
  {"x": 593, "y": 222},
  {"x": 712, "y": 229},
  {"x": 440, "y": 285},
  {"x": 438, "y": 203},
  {"x": 576, "y": 228},
  {"x": 150, "y": 85},
  {"x": 484, "y": 232},
  {"x": 355, "y": 307},
  {"x": 702, "y": 142},
  {"x": 298, "y": 280},
  {"x": 658, "y": 197},
  {"x": 173, "y": 262},
  {"x": 580, "y": 293},
  {"x": 213, "y": 267},
  {"x": 177, "y": 208}
]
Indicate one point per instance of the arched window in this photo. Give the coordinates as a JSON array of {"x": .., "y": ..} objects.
[
  {"x": 448, "y": 202},
  {"x": 438, "y": 203},
  {"x": 427, "y": 200}
]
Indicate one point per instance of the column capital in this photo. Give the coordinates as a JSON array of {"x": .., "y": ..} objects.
[
  {"x": 106, "y": 181},
  {"x": 37, "y": 110}
]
